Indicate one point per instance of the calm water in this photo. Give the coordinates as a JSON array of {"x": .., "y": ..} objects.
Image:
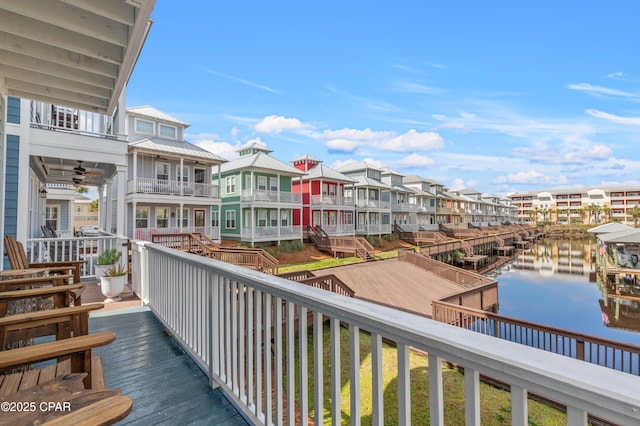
[{"x": 555, "y": 283}]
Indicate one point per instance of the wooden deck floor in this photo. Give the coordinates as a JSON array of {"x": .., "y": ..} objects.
[
  {"x": 166, "y": 386},
  {"x": 396, "y": 283}
]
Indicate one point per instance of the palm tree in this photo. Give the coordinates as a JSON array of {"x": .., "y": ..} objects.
[
  {"x": 93, "y": 205},
  {"x": 635, "y": 213},
  {"x": 81, "y": 189},
  {"x": 583, "y": 213},
  {"x": 607, "y": 213}
]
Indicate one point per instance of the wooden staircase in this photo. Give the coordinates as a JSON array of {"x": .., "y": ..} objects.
[
  {"x": 364, "y": 250},
  {"x": 359, "y": 246},
  {"x": 319, "y": 237}
]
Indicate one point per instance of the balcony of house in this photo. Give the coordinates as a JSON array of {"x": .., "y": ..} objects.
[
  {"x": 53, "y": 117},
  {"x": 373, "y": 229},
  {"x": 145, "y": 234},
  {"x": 272, "y": 233},
  {"x": 269, "y": 344},
  {"x": 152, "y": 186},
  {"x": 258, "y": 196},
  {"x": 373, "y": 204},
  {"x": 331, "y": 200},
  {"x": 403, "y": 206},
  {"x": 339, "y": 229}
]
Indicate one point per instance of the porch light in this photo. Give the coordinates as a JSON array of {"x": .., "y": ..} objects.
[{"x": 43, "y": 193}]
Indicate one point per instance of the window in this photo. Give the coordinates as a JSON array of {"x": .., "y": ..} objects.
[
  {"x": 230, "y": 219},
  {"x": 78, "y": 209},
  {"x": 142, "y": 217},
  {"x": 262, "y": 183},
  {"x": 215, "y": 220},
  {"x": 262, "y": 218},
  {"x": 284, "y": 219},
  {"x": 184, "y": 175},
  {"x": 51, "y": 219},
  {"x": 274, "y": 218},
  {"x": 144, "y": 126},
  {"x": 162, "y": 217},
  {"x": 231, "y": 185},
  {"x": 199, "y": 175},
  {"x": 273, "y": 184},
  {"x": 185, "y": 218},
  {"x": 168, "y": 131},
  {"x": 162, "y": 171}
]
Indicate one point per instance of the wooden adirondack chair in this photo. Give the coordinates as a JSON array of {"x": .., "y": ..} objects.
[{"x": 18, "y": 260}]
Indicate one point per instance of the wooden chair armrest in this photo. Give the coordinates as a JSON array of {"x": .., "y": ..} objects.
[
  {"x": 42, "y": 291},
  {"x": 6, "y": 285},
  {"x": 50, "y": 315},
  {"x": 70, "y": 263},
  {"x": 78, "y": 349}
]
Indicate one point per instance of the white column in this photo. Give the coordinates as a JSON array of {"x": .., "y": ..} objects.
[
  {"x": 181, "y": 177},
  {"x": 122, "y": 188},
  {"x": 134, "y": 206},
  {"x": 135, "y": 171},
  {"x": 180, "y": 218},
  {"x": 108, "y": 204}
]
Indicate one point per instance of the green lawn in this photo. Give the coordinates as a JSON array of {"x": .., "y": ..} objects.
[
  {"x": 328, "y": 263},
  {"x": 495, "y": 404}
]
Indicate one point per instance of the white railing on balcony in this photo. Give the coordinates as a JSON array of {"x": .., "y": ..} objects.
[
  {"x": 261, "y": 339},
  {"x": 342, "y": 229},
  {"x": 373, "y": 204},
  {"x": 255, "y": 195},
  {"x": 373, "y": 229},
  {"x": 70, "y": 248},
  {"x": 402, "y": 206},
  {"x": 145, "y": 234},
  {"x": 143, "y": 185},
  {"x": 331, "y": 200},
  {"x": 56, "y": 117},
  {"x": 267, "y": 233}
]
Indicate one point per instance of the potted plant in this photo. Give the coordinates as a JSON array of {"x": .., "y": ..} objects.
[
  {"x": 113, "y": 281},
  {"x": 106, "y": 260}
]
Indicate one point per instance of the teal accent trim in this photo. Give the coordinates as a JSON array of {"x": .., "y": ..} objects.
[{"x": 13, "y": 110}]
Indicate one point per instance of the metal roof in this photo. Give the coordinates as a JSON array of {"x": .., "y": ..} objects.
[
  {"x": 358, "y": 165},
  {"x": 365, "y": 181},
  {"x": 326, "y": 172},
  {"x": 609, "y": 227},
  {"x": 150, "y": 112},
  {"x": 76, "y": 53},
  {"x": 628, "y": 236},
  {"x": 179, "y": 148},
  {"x": 261, "y": 161}
]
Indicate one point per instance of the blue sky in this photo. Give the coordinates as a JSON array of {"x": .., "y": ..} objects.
[{"x": 500, "y": 96}]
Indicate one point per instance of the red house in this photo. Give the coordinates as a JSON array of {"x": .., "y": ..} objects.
[{"x": 323, "y": 200}]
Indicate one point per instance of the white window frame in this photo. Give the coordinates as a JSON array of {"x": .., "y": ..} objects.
[
  {"x": 49, "y": 217},
  {"x": 230, "y": 185},
  {"x": 164, "y": 219},
  {"x": 184, "y": 175},
  {"x": 273, "y": 218},
  {"x": 230, "y": 219},
  {"x": 162, "y": 127},
  {"x": 185, "y": 217},
  {"x": 262, "y": 183},
  {"x": 140, "y": 120},
  {"x": 284, "y": 218},
  {"x": 262, "y": 218},
  {"x": 168, "y": 170},
  {"x": 272, "y": 187},
  {"x": 215, "y": 218},
  {"x": 140, "y": 209},
  {"x": 196, "y": 170}
]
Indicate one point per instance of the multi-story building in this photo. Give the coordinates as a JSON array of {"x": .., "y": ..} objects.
[
  {"x": 169, "y": 187},
  {"x": 258, "y": 202},
  {"x": 590, "y": 205},
  {"x": 404, "y": 206},
  {"x": 323, "y": 197},
  {"x": 371, "y": 197}
]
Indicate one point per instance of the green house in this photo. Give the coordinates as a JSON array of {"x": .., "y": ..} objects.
[{"x": 258, "y": 205}]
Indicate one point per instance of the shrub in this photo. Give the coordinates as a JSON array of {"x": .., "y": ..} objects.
[
  {"x": 296, "y": 245},
  {"x": 374, "y": 240},
  {"x": 271, "y": 251},
  {"x": 109, "y": 257},
  {"x": 284, "y": 247},
  {"x": 390, "y": 237}
]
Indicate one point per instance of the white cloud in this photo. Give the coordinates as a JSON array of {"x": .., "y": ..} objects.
[
  {"x": 243, "y": 81},
  {"x": 531, "y": 177},
  {"x": 341, "y": 163},
  {"x": 278, "y": 123},
  {"x": 208, "y": 141},
  {"x": 410, "y": 87},
  {"x": 634, "y": 121},
  {"x": 457, "y": 184},
  {"x": 350, "y": 140},
  {"x": 415, "y": 160},
  {"x": 601, "y": 91},
  {"x": 594, "y": 152}
]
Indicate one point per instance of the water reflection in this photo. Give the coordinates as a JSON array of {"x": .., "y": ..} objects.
[{"x": 556, "y": 283}]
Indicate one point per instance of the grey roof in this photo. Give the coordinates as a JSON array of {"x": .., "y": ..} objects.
[
  {"x": 418, "y": 179},
  {"x": 402, "y": 188},
  {"x": 253, "y": 144},
  {"x": 151, "y": 112},
  {"x": 388, "y": 171},
  {"x": 365, "y": 181},
  {"x": 419, "y": 191},
  {"x": 306, "y": 157},
  {"x": 610, "y": 227},
  {"x": 358, "y": 165},
  {"x": 627, "y": 236},
  {"x": 174, "y": 147},
  {"x": 467, "y": 191},
  {"x": 262, "y": 161},
  {"x": 326, "y": 172}
]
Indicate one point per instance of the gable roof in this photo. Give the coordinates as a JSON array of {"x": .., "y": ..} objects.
[
  {"x": 609, "y": 227},
  {"x": 261, "y": 161},
  {"x": 357, "y": 166},
  {"x": 627, "y": 236},
  {"x": 155, "y": 114},
  {"x": 326, "y": 172},
  {"x": 365, "y": 181},
  {"x": 174, "y": 147}
]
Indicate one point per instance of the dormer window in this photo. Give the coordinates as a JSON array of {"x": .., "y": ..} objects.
[
  {"x": 168, "y": 131},
  {"x": 144, "y": 126}
]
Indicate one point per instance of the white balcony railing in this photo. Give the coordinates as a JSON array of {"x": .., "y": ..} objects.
[
  {"x": 145, "y": 234},
  {"x": 255, "y": 195},
  {"x": 260, "y": 338},
  {"x": 342, "y": 229},
  {"x": 373, "y": 204},
  {"x": 331, "y": 200},
  {"x": 405, "y": 207},
  {"x": 143, "y": 185},
  {"x": 56, "y": 117},
  {"x": 70, "y": 248},
  {"x": 268, "y": 233},
  {"x": 373, "y": 229}
]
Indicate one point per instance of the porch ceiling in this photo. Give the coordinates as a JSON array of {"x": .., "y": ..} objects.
[
  {"x": 77, "y": 53},
  {"x": 64, "y": 171}
]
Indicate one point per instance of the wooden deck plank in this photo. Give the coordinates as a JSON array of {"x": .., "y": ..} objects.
[{"x": 141, "y": 361}]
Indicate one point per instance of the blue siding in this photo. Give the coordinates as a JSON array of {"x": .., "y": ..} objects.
[
  {"x": 11, "y": 189},
  {"x": 13, "y": 110}
]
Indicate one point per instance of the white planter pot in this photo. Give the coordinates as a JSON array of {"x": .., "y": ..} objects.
[
  {"x": 101, "y": 270},
  {"x": 112, "y": 287}
]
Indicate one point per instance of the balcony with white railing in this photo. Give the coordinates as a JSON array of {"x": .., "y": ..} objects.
[
  {"x": 339, "y": 229},
  {"x": 145, "y": 234},
  {"x": 405, "y": 207},
  {"x": 263, "y": 340},
  {"x": 260, "y": 196},
  {"x": 373, "y": 229},
  {"x": 271, "y": 233},
  {"x": 56, "y": 117},
  {"x": 331, "y": 200},
  {"x": 373, "y": 204},
  {"x": 142, "y": 185}
]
